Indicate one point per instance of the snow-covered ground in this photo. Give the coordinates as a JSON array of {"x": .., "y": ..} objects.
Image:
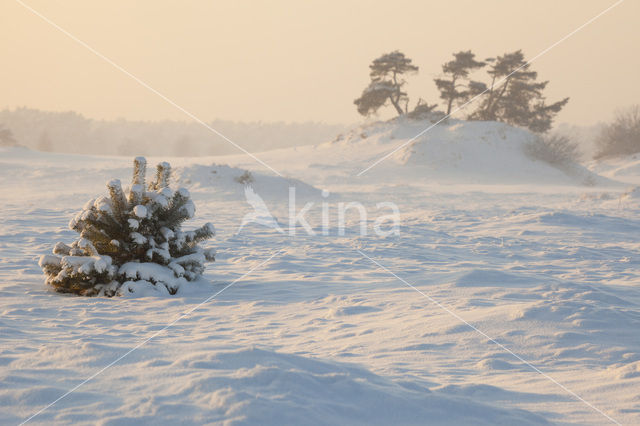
[{"x": 515, "y": 300}]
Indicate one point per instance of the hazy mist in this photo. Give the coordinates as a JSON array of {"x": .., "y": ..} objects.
[{"x": 71, "y": 132}]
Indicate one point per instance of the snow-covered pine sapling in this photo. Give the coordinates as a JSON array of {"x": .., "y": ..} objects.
[{"x": 131, "y": 242}]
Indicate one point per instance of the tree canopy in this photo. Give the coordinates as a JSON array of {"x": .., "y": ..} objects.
[
  {"x": 454, "y": 86},
  {"x": 515, "y": 96},
  {"x": 386, "y": 84}
]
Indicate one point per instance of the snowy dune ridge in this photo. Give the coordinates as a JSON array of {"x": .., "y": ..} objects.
[
  {"x": 230, "y": 182},
  {"x": 320, "y": 335},
  {"x": 455, "y": 152}
]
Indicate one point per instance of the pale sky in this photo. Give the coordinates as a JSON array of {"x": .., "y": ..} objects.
[{"x": 296, "y": 60}]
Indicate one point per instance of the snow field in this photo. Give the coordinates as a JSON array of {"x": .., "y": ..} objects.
[{"x": 549, "y": 269}]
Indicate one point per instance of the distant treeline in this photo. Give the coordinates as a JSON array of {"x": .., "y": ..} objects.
[{"x": 73, "y": 133}]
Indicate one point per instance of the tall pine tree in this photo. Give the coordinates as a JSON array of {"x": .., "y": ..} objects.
[
  {"x": 515, "y": 97},
  {"x": 387, "y": 80},
  {"x": 455, "y": 86}
]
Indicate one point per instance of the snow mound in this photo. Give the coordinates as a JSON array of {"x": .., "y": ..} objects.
[
  {"x": 624, "y": 168},
  {"x": 458, "y": 152},
  {"x": 625, "y": 371},
  {"x": 491, "y": 278},
  {"x": 632, "y": 194},
  {"x": 255, "y": 386},
  {"x": 231, "y": 181}
]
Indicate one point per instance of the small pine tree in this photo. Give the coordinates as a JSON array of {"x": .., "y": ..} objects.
[
  {"x": 424, "y": 111},
  {"x": 131, "y": 241}
]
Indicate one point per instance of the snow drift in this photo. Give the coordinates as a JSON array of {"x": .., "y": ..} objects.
[
  {"x": 470, "y": 152},
  {"x": 231, "y": 181},
  {"x": 256, "y": 386},
  {"x": 416, "y": 151},
  {"x": 624, "y": 168},
  {"x": 549, "y": 275}
]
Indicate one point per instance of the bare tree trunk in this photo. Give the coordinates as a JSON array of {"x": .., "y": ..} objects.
[
  {"x": 489, "y": 102},
  {"x": 453, "y": 91},
  {"x": 395, "y": 102},
  {"x": 396, "y": 105},
  {"x": 494, "y": 102}
]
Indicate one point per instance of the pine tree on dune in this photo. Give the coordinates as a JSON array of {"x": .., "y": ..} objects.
[
  {"x": 131, "y": 241},
  {"x": 386, "y": 86},
  {"x": 515, "y": 96},
  {"x": 454, "y": 84}
]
